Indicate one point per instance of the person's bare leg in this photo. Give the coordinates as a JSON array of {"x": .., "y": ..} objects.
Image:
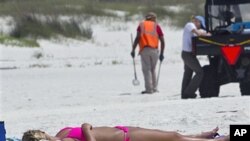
[
  {"x": 141, "y": 134},
  {"x": 207, "y": 135},
  {"x": 185, "y": 138}
]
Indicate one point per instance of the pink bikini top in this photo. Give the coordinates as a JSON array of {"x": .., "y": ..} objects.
[{"x": 75, "y": 132}]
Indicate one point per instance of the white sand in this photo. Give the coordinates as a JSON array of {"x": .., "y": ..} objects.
[{"x": 92, "y": 82}]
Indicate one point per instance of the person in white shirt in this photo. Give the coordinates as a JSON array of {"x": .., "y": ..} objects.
[{"x": 191, "y": 64}]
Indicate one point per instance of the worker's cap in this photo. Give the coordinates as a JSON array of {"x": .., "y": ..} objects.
[
  {"x": 202, "y": 21},
  {"x": 150, "y": 15}
]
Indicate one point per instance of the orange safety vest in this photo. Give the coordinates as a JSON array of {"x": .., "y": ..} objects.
[{"x": 148, "y": 36}]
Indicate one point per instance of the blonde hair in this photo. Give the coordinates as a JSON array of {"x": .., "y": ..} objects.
[{"x": 34, "y": 135}]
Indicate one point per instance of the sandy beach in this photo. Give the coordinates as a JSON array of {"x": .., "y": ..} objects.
[{"x": 91, "y": 81}]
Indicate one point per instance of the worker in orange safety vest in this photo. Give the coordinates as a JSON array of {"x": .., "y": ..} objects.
[{"x": 149, "y": 34}]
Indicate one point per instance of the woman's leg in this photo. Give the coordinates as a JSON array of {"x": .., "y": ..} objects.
[
  {"x": 184, "y": 138},
  {"x": 206, "y": 135},
  {"x": 187, "y": 76},
  {"x": 141, "y": 134},
  {"x": 192, "y": 62}
]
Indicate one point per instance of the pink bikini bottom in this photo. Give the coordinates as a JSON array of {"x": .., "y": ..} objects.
[{"x": 125, "y": 130}]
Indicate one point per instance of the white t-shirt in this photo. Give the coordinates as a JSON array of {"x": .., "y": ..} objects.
[{"x": 187, "y": 37}]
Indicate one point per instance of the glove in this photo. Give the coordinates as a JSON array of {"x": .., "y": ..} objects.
[
  {"x": 132, "y": 54},
  {"x": 161, "y": 57}
]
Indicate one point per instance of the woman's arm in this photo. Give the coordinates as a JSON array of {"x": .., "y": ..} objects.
[
  {"x": 201, "y": 32},
  {"x": 87, "y": 131}
]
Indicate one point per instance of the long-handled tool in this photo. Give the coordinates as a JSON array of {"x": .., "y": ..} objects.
[
  {"x": 135, "y": 81},
  {"x": 158, "y": 76}
]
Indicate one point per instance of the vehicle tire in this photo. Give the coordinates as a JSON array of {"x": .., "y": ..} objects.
[
  {"x": 209, "y": 86},
  {"x": 245, "y": 88}
]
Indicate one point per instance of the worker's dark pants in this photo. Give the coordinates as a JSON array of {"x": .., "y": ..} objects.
[{"x": 191, "y": 64}]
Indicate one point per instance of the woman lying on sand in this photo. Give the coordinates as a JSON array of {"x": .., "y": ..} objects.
[{"x": 119, "y": 133}]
